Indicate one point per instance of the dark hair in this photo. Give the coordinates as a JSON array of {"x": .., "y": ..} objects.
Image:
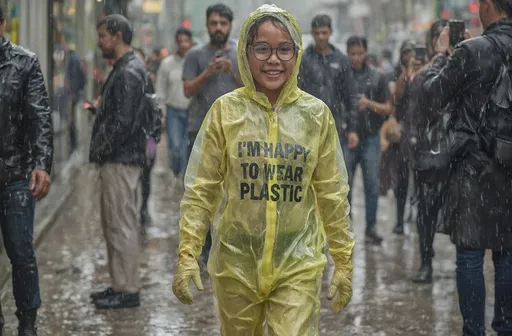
[
  {"x": 117, "y": 23},
  {"x": 434, "y": 32},
  {"x": 221, "y": 9},
  {"x": 437, "y": 27},
  {"x": 321, "y": 20},
  {"x": 183, "y": 31},
  {"x": 357, "y": 41},
  {"x": 253, "y": 31},
  {"x": 503, "y": 6}
]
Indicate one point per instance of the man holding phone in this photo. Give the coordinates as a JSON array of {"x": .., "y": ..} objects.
[
  {"x": 210, "y": 71},
  {"x": 373, "y": 106},
  {"x": 478, "y": 215}
]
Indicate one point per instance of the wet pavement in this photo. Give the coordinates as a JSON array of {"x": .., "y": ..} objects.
[{"x": 72, "y": 264}]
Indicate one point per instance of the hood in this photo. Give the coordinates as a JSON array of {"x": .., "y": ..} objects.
[
  {"x": 290, "y": 91},
  {"x": 500, "y": 29}
]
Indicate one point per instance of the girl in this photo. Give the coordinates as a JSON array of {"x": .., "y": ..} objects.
[{"x": 267, "y": 169}]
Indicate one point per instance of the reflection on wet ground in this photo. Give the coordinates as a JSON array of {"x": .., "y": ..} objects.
[{"x": 72, "y": 263}]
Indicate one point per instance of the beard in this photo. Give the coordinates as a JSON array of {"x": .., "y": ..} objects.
[
  {"x": 218, "y": 38},
  {"x": 108, "y": 53}
]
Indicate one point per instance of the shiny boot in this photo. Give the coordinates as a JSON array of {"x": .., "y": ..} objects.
[
  {"x": 424, "y": 275},
  {"x": 27, "y": 323},
  {"x": 399, "y": 229}
]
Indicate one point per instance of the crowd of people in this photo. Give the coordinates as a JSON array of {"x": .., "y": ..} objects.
[{"x": 264, "y": 137}]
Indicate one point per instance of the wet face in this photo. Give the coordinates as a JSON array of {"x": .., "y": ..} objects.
[
  {"x": 219, "y": 29},
  {"x": 357, "y": 55},
  {"x": 107, "y": 42},
  {"x": 184, "y": 43},
  {"x": 321, "y": 36},
  {"x": 272, "y": 58}
]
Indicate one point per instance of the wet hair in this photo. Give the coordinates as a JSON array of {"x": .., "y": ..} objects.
[
  {"x": 221, "y": 9},
  {"x": 183, "y": 31},
  {"x": 117, "y": 23},
  {"x": 503, "y": 6},
  {"x": 253, "y": 31},
  {"x": 321, "y": 20},
  {"x": 434, "y": 32},
  {"x": 357, "y": 41}
]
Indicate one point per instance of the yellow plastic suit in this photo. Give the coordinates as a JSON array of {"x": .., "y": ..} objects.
[{"x": 272, "y": 182}]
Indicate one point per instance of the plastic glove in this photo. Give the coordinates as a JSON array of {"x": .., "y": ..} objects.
[
  {"x": 340, "y": 291},
  {"x": 188, "y": 269},
  {"x": 150, "y": 150}
]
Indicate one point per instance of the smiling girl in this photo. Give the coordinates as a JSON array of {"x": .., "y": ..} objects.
[{"x": 267, "y": 171}]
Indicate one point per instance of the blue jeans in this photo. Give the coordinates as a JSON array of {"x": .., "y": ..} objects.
[
  {"x": 471, "y": 289},
  {"x": 368, "y": 155},
  {"x": 17, "y": 207},
  {"x": 176, "y": 123}
]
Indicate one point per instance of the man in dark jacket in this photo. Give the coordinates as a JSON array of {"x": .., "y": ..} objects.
[
  {"x": 26, "y": 152},
  {"x": 373, "y": 108},
  {"x": 118, "y": 147},
  {"x": 326, "y": 73},
  {"x": 479, "y": 215}
]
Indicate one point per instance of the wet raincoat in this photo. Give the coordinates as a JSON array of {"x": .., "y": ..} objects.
[{"x": 273, "y": 183}]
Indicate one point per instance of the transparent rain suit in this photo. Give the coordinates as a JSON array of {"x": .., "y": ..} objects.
[{"x": 273, "y": 183}]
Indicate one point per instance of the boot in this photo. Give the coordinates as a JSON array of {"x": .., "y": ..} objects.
[
  {"x": 399, "y": 229},
  {"x": 424, "y": 275},
  {"x": 27, "y": 322}
]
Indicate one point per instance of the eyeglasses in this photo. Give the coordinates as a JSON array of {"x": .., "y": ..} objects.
[{"x": 263, "y": 51}]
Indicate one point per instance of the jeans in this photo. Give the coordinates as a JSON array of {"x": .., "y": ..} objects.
[
  {"x": 176, "y": 123},
  {"x": 368, "y": 155},
  {"x": 17, "y": 207},
  {"x": 471, "y": 289}
]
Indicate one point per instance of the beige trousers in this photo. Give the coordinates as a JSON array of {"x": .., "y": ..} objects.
[{"x": 120, "y": 198}]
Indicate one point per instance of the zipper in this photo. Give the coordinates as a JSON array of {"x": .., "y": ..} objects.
[{"x": 267, "y": 264}]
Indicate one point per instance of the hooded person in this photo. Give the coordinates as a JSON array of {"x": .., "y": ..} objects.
[{"x": 267, "y": 170}]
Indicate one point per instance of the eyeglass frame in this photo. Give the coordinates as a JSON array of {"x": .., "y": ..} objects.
[{"x": 274, "y": 50}]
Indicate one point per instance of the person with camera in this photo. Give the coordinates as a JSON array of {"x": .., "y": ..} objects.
[
  {"x": 416, "y": 132},
  {"x": 477, "y": 213},
  {"x": 373, "y": 107},
  {"x": 209, "y": 72}
]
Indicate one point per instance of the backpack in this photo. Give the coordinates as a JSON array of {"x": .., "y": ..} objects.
[
  {"x": 150, "y": 109},
  {"x": 495, "y": 130}
]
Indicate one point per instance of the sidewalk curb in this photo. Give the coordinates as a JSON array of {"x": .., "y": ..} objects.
[{"x": 44, "y": 225}]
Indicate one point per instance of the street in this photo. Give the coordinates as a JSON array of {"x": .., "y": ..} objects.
[{"x": 72, "y": 264}]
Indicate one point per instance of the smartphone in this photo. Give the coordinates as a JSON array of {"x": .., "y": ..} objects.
[
  {"x": 420, "y": 51},
  {"x": 457, "y": 30},
  {"x": 220, "y": 53}
]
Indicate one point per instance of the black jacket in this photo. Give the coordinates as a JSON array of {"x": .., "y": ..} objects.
[
  {"x": 477, "y": 207},
  {"x": 329, "y": 78},
  {"x": 26, "y": 141},
  {"x": 122, "y": 123}
]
